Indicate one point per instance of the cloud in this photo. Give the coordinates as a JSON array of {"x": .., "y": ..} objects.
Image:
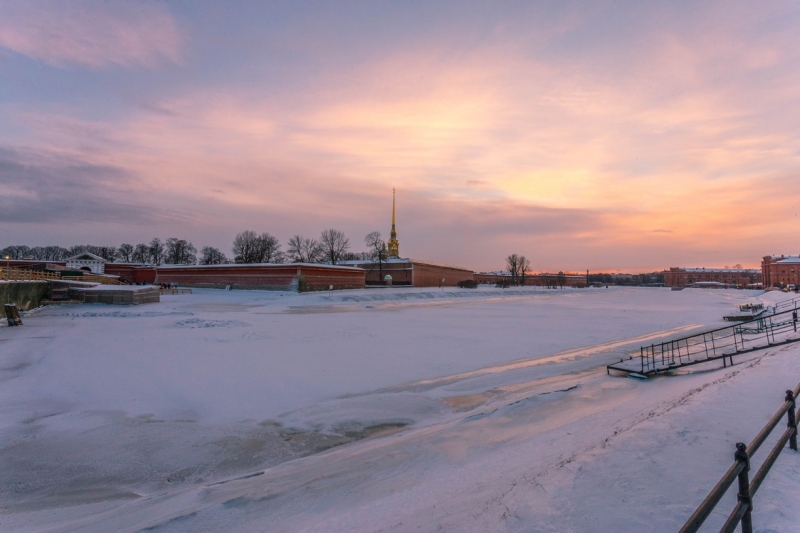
[
  {"x": 51, "y": 189},
  {"x": 90, "y": 34},
  {"x": 585, "y": 141}
]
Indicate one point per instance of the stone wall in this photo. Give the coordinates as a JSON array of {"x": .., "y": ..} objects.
[
  {"x": 26, "y": 294},
  {"x": 286, "y": 277}
]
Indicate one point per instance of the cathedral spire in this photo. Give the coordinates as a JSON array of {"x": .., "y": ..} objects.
[{"x": 393, "y": 244}]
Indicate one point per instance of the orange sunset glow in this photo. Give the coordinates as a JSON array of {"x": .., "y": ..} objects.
[{"x": 606, "y": 136}]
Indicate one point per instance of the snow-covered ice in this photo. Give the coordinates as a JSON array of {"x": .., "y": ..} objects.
[{"x": 379, "y": 410}]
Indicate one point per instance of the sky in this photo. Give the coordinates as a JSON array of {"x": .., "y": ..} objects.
[{"x": 629, "y": 136}]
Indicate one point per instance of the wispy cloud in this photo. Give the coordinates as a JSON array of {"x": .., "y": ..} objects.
[
  {"x": 91, "y": 34},
  {"x": 51, "y": 189}
]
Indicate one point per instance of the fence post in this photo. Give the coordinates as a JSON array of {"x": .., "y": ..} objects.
[
  {"x": 744, "y": 486},
  {"x": 641, "y": 356},
  {"x": 791, "y": 423}
]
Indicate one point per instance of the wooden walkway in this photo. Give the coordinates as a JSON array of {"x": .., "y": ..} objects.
[{"x": 723, "y": 343}]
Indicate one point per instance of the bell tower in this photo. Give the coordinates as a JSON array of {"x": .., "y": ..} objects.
[{"x": 393, "y": 244}]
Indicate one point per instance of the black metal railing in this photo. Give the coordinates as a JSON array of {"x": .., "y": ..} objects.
[
  {"x": 740, "y": 470},
  {"x": 788, "y": 304},
  {"x": 721, "y": 343}
]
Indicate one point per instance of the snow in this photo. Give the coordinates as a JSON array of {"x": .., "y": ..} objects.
[{"x": 394, "y": 409}]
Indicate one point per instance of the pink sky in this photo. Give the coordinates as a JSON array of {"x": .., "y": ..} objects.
[{"x": 618, "y": 136}]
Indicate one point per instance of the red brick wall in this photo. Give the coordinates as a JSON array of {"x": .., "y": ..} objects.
[
  {"x": 400, "y": 272},
  {"x": 777, "y": 274},
  {"x": 675, "y": 277},
  {"x": 679, "y": 277},
  {"x": 320, "y": 279},
  {"x": 429, "y": 275},
  {"x": 276, "y": 277},
  {"x": 134, "y": 274},
  {"x": 415, "y": 273}
]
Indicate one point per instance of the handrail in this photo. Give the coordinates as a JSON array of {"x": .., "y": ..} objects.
[
  {"x": 740, "y": 469},
  {"x": 103, "y": 280},
  {"x": 24, "y": 274},
  {"x": 719, "y": 343},
  {"x": 786, "y": 303}
]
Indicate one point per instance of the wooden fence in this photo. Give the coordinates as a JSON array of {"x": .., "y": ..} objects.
[
  {"x": 21, "y": 274},
  {"x": 103, "y": 280}
]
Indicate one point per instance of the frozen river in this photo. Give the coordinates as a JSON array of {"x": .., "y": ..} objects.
[{"x": 362, "y": 411}]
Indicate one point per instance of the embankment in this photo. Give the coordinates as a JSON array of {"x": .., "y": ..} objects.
[{"x": 26, "y": 294}]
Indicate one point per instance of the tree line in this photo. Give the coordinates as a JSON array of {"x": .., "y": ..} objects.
[
  {"x": 331, "y": 247},
  {"x": 647, "y": 278}
]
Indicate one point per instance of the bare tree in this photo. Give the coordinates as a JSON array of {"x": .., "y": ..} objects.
[
  {"x": 82, "y": 249},
  {"x": 376, "y": 248},
  {"x": 109, "y": 253},
  {"x": 512, "y": 264},
  {"x": 244, "y": 247},
  {"x": 17, "y": 251},
  {"x": 156, "y": 251},
  {"x": 180, "y": 252},
  {"x": 141, "y": 253},
  {"x": 56, "y": 253},
  {"x": 518, "y": 266},
  {"x": 125, "y": 252},
  {"x": 270, "y": 249},
  {"x": 249, "y": 247},
  {"x": 523, "y": 267},
  {"x": 303, "y": 250},
  {"x": 334, "y": 245},
  {"x": 356, "y": 256},
  {"x": 212, "y": 256},
  {"x": 48, "y": 253}
]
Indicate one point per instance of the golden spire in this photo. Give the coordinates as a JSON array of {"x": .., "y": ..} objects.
[{"x": 393, "y": 244}]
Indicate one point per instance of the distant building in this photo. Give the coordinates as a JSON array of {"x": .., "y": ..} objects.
[
  {"x": 412, "y": 272},
  {"x": 396, "y": 270},
  {"x": 87, "y": 262},
  {"x": 780, "y": 270},
  {"x": 503, "y": 277},
  {"x": 133, "y": 273},
  {"x": 712, "y": 277}
]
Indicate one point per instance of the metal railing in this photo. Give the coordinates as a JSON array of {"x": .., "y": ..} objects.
[
  {"x": 740, "y": 470},
  {"x": 788, "y": 304},
  {"x": 22, "y": 274},
  {"x": 720, "y": 343}
]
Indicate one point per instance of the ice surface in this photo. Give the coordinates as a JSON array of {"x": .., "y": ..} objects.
[{"x": 487, "y": 410}]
